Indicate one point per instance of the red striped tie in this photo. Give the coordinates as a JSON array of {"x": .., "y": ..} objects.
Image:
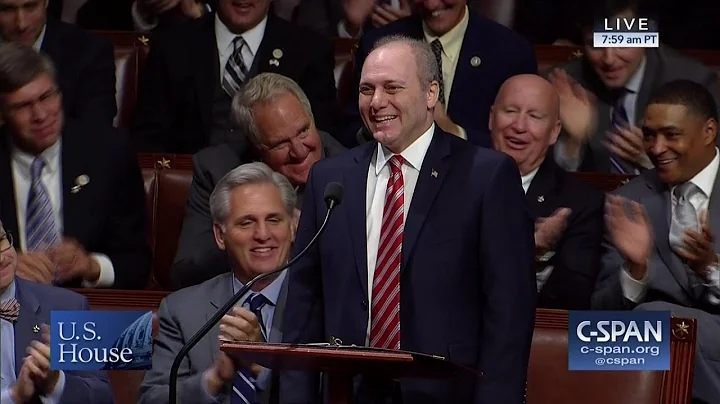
[{"x": 385, "y": 327}]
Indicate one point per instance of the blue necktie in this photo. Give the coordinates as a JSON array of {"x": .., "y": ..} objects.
[
  {"x": 243, "y": 386},
  {"x": 619, "y": 119},
  {"x": 40, "y": 221}
]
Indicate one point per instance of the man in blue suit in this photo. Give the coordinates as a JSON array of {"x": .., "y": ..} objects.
[
  {"x": 25, "y": 352},
  {"x": 431, "y": 251},
  {"x": 475, "y": 54}
]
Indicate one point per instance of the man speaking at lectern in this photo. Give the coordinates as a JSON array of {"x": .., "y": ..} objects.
[{"x": 442, "y": 265}]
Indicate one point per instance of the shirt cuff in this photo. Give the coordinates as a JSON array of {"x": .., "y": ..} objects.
[
  {"x": 139, "y": 21},
  {"x": 633, "y": 289},
  {"x": 107, "y": 273},
  {"x": 55, "y": 396},
  {"x": 343, "y": 32},
  {"x": 562, "y": 159},
  {"x": 214, "y": 399},
  {"x": 5, "y": 397}
]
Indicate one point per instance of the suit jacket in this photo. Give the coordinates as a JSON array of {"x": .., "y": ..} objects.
[
  {"x": 181, "y": 315},
  {"x": 175, "y": 103},
  {"x": 468, "y": 288},
  {"x": 577, "y": 255},
  {"x": 98, "y": 14},
  {"x": 198, "y": 257},
  {"x": 668, "y": 280},
  {"x": 663, "y": 65},
  {"x": 85, "y": 68},
  {"x": 36, "y": 303},
  {"x": 107, "y": 215},
  {"x": 502, "y": 52}
]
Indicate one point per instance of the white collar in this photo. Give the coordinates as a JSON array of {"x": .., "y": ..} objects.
[
  {"x": 413, "y": 154},
  {"x": 705, "y": 179},
  {"x": 51, "y": 155},
  {"x": 253, "y": 37}
]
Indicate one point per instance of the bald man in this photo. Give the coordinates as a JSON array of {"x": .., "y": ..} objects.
[{"x": 525, "y": 123}]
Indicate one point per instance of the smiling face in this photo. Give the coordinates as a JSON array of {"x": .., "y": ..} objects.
[
  {"x": 679, "y": 142},
  {"x": 242, "y": 15},
  {"x": 395, "y": 106},
  {"x": 440, "y": 15},
  {"x": 22, "y": 20},
  {"x": 524, "y": 120},
  {"x": 258, "y": 231}
]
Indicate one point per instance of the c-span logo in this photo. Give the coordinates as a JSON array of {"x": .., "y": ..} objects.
[
  {"x": 619, "y": 340},
  {"x": 100, "y": 340}
]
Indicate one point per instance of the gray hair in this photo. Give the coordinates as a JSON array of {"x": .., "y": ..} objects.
[
  {"x": 427, "y": 67},
  {"x": 246, "y": 174},
  {"x": 263, "y": 89},
  {"x": 20, "y": 65}
]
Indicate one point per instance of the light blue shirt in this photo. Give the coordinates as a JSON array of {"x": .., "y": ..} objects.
[{"x": 7, "y": 359}]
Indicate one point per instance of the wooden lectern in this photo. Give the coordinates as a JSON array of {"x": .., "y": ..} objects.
[{"x": 343, "y": 363}]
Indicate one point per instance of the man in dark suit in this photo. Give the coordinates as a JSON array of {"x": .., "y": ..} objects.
[
  {"x": 661, "y": 248},
  {"x": 525, "y": 122},
  {"x": 454, "y": 224},
  {"x": 276, "y": 116},
  {"x": 475, "y": 55},
  {"x": 603, "y": 96},
  {"x": 72, "y": 194},
  {"x": 85, "y": 63},
  {"x": 25, "y": 375},
  {"x": 252, "y": 208},
  {"x": 195, "y": 68}
]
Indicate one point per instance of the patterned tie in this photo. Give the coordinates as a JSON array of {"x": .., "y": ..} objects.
[
  {"x": 9, "y": 310},
  {"x": 235, "y": 70},
  {"x": 619, "y": 119},
  {"x": 40, "y": 223},
  {"x": 684, "y": 214},
  {"x": 243, "y": 388},
  {"x": 437, "y": 49},
  {"x": 385, "y": 326}
]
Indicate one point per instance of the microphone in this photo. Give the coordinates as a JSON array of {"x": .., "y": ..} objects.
[{"x": 333, "y": 196}]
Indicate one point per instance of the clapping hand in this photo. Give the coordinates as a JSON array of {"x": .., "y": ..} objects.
[{"x": 699, "y": 251}]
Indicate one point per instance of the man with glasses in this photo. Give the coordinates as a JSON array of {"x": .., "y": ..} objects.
[
  {"x": 72, "y": 194},
  {"x": 25, "y": 374}
]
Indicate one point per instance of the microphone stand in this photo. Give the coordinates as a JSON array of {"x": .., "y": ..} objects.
[{"x": 230, "y": 303}]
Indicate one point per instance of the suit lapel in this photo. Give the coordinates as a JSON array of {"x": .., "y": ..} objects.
[
  {"x": 435, "y": 168},
  {"x": 276, "y": 327},
  {"x": 272, "y": 38},
  {"x": 649, "y": 82},
  {"x": 206, "y": 63},
  {"x": 714, "y": 213},
  {"x": 657, "y": 205},
  {"x": 221, "y": 293},
  {"x": 8, "y": 211},
  {"x": 27, "y": 320},
  {"x": 356, "y": 200},
  {"x": 541, "y": 196},
  {"x": 75, "y": 205}
]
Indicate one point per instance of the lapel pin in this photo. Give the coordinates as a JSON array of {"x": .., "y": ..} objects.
[
  {"x": 36, "y": 329},
  {"x": 434, "y": 173},
  {"x": 274, "y": 62},
  {"x": 541, "y": 198},
  {"x": 475, "y": 61},
  {"x": 80, "y": 182},
  {"x": 277, "y": 53}
]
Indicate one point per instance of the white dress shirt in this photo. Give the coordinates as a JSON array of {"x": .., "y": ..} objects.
[
  {"x": 633, "y": 289},
  {"x": 377, "y": 181},
  {"x": 51, "y": 178},
  {"x": 39, "y": 41},
  {"x": 224, "y": 39}
]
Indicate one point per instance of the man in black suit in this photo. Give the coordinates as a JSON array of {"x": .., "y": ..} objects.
[
  {"x": 603, "y": 96},
  {"x": 524, "y": 122},
  {"x": 475, "y": 55},
  {"x": 85, "y": 63},
  {"x": 72, "y": 195},
  {"x": 194, "y": 69},
  {"x": 276, "y": 117}
]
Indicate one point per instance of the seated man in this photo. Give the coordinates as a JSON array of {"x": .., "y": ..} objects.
[
  {"x": 195, "y": 68},
  {"x": 603, "y": 96},
  {"x": 25, "y": 374},
  {"x": 525, "y": 122},
  {"x": 73, "y": 194},
  {"x": 277, "y": 119},
  {"x": 661, "y": 245},
  {"x": 85, "y": 63},
  {"x": 252, "y": 210}
]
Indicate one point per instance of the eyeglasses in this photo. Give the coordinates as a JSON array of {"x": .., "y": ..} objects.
[
  {"x": 6, "y": 242},
  {"x": 45, "y": 101}
]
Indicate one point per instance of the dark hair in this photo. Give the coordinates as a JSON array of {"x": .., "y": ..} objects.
[
  {"x": 695, "y": 97},
  {"x": 21, "y": 64},
  {"x": 591, "y": 14}
]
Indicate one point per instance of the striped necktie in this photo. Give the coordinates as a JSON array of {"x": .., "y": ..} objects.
[
  {"x": 437, "y": 49},
  {"x": 9, "y": 310},
  {"x": 235, "y": 71},
  {"x": 244, "y": 389},
  {"x": 619, "y": 119},
  {"x": 40, "y": 222}
]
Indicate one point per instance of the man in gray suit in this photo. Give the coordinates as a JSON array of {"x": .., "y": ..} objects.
[
  {"x": 252, "y": 210},
  {"x": 274, "y": 115},
  {"x": 603, "y": 96},
  {"x": 661, "y": 252}
]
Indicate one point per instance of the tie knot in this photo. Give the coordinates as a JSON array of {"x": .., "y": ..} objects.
[
  {"x": 436, "y": 46},
  {"x": 257, "y": 302},
  {"x": 9, "y": 310},
  {"x": 238, "y": 43},
  {"x": 37, "y": 166},
  {"x": 396, "y": 163},
  {"x": 685, "y": 190}
]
